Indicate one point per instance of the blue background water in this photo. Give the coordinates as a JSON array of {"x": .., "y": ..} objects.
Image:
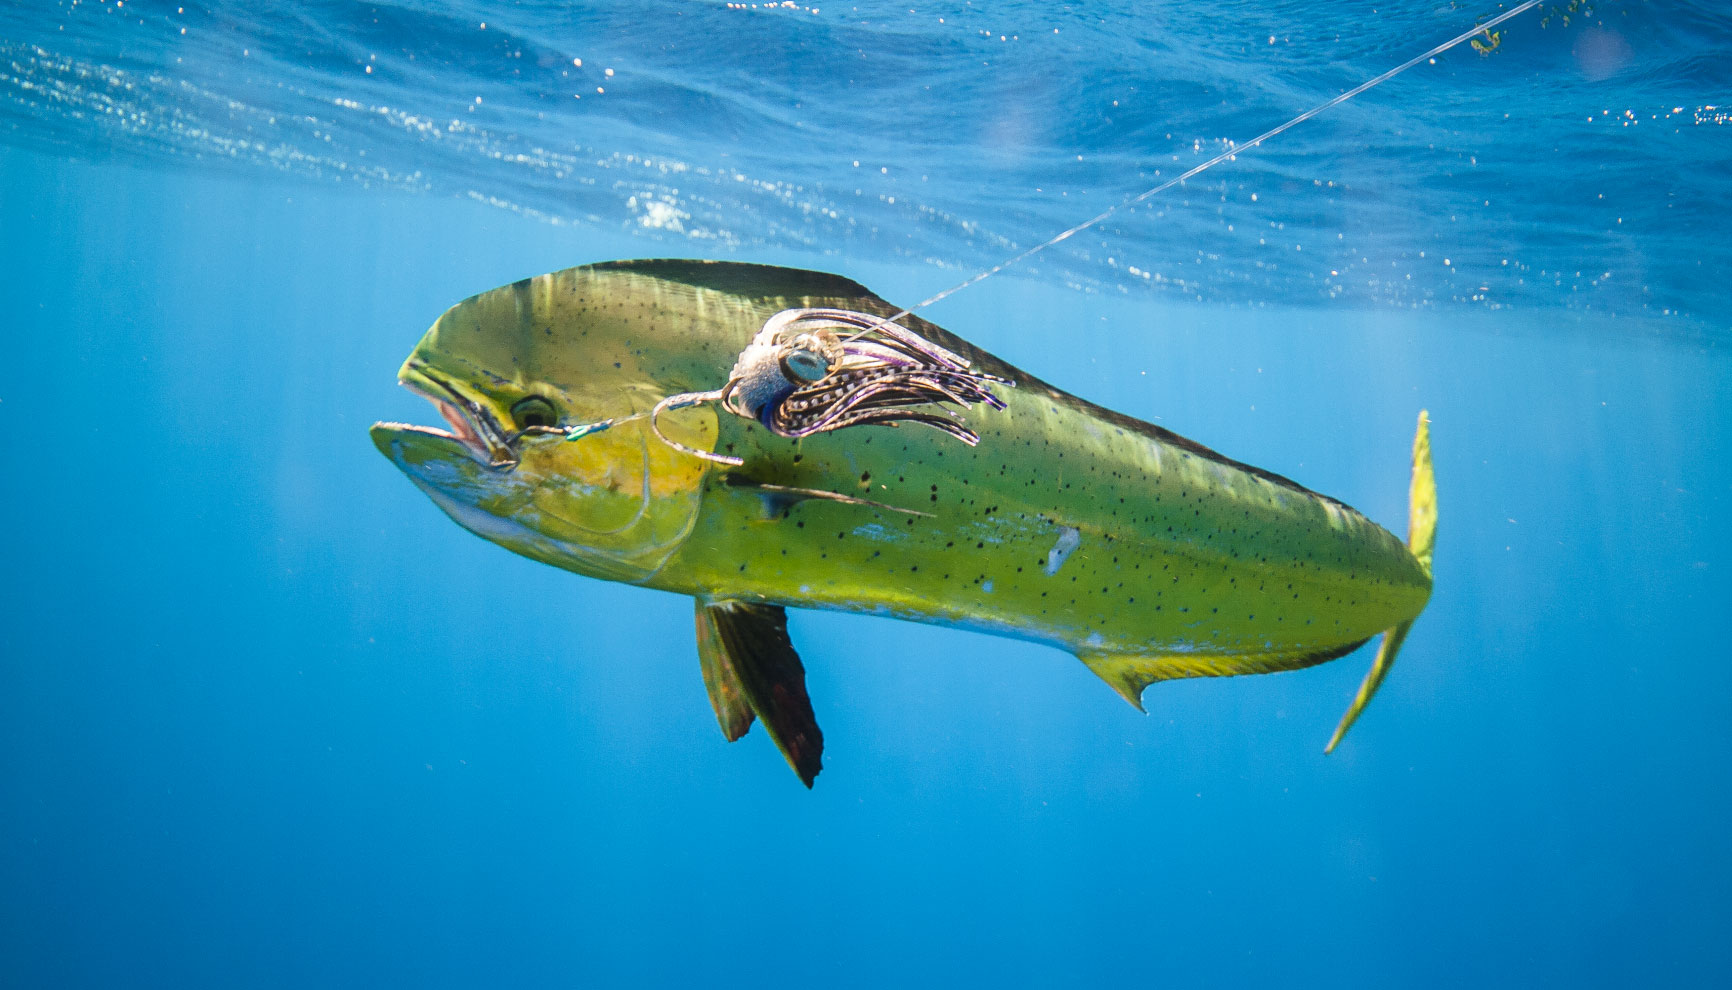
[{"x": 270, "y": 719}]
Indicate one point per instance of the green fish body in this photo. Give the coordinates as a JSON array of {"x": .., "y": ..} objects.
[{"x": 1145, "y": 554}]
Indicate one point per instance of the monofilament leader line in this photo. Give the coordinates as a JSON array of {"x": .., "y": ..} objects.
[{"x": 1232, "y": 151}]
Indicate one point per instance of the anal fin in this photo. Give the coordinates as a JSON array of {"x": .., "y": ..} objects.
[
  {"x": 1130, "y": 674},
  {"x": 751, "y": 669}
]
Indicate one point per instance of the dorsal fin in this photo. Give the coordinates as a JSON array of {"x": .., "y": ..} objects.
[
  {"x": 1129, "y": 675},
  {"x": 750, "y": 667},
  {"x": 745, "y": 279}
]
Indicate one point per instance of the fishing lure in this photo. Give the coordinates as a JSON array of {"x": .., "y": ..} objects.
[{"x": 799, "y": 377}]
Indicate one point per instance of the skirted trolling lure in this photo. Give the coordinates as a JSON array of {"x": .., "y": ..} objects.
[
  {"x": 798, "y": 377},
  {"x": 815, "y": 370}
]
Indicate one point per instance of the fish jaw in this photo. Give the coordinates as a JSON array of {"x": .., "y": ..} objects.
[
  {"x": 481, "y": 498},
  {"x": 473, "y": 423}
]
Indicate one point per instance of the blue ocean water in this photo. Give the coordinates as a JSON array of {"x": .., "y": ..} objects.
[{"x": 270, "y": 719}]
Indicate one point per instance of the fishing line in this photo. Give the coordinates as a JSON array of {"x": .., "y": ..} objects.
[{"x": 1232, "y": 151}]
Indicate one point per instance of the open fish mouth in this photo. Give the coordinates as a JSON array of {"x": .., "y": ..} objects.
[{"x": 473, "y": 425}]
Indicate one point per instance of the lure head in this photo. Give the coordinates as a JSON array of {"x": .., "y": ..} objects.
[
  {"x": 810, "y": 356},
  {"x": 512, "y": 371},
  {"x": 780, "y": 360}
]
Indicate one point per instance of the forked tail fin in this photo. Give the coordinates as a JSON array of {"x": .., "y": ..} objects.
[{"x": 1421, "y": 537}]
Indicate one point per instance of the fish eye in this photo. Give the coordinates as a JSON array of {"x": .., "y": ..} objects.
[
  {"x": 534, "y": 411},
  {"x": 808, "y": 366}
]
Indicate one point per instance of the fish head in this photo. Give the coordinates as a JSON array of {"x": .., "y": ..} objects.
[{"x": 517, "y": 372}]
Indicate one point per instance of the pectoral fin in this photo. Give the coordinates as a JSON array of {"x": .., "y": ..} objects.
[
  {"x": 778, "y": 499},
  {"x": 750, "y": 668}
]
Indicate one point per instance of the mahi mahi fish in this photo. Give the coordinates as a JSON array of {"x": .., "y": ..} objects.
[{"x": 1028, "y": 513}]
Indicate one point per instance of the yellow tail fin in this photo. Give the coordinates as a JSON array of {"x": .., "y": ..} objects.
[{"x": 1421, "y": 538}]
